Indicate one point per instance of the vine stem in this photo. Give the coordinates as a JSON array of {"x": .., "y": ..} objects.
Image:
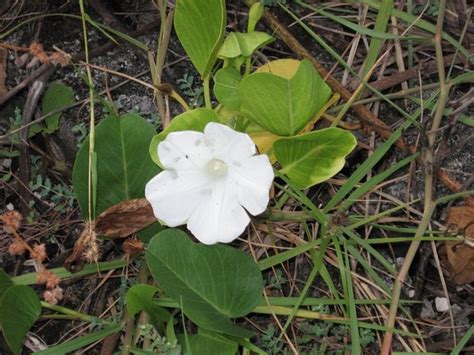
[{"x": 429, "y": 200}]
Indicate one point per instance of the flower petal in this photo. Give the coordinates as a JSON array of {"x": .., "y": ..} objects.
[
  {"x": 174, "y": 194},
  {"x": 184, "y": 150},
  {"x": 227, "y": 144},
  {"x": 252, "y": 179},
  {"x": 218, "y": 218}
]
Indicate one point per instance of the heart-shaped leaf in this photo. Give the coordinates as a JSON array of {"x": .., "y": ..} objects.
[
  {"x": 124, "y": 165},
  {"x": 192, "y": 120},
  {"x": 212, "y": 283},
  {"x": 226, "y": 87},
  {"x": 140, "y": 298},
  {"x": 19, "y": 310},
  {"x": 283, "y": 105},
  {"x": 314, "y": 157},
  {"x": 237, "y": 44},
  {"x": 200, "y": 25}
]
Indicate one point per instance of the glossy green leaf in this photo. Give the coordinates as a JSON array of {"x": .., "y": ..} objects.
[
  {"x": 192, "y": 120},
  {"x": 255, "y": 14},
  {"x": 58, "y": 95},
  {"x": 226, "y": 87},
  {"x": 213, "y": 283},
  {"x": 200, "y": 25},
  {"x": 237, "y": 44},
  {"x": 124, "y": 165},
  {"x": 19, "y": 310},
  {"x": 314, "y": 157},
  {"x": 140, "y": 298},
  {"x": 283, "y": 106},
  {"x": 207, "y": 343}
]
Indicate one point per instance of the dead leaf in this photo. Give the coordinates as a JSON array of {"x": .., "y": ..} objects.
[
  {"x": 118, "y": 221},
  {"x": 125, "y": 218},
  {"x": 460, "y": 255}
]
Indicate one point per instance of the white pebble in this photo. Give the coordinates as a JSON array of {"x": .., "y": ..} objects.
[{"x": 442, "y": 304}]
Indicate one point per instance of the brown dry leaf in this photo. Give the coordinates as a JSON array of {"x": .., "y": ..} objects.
[
  {"x": 459, "y": 255},
  {"x": 125, "y": 218},
  {"x": 3, "y": 71},
  {"x": 118, "y": 221}
]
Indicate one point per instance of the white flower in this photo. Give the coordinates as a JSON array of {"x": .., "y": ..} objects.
[{"x": 210, "y": 180}]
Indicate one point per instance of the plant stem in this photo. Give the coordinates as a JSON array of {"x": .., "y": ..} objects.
[
  {"x": 72, "y": 314},
  {"x": 207, "y": 92},
  {"x": 429, "y": 202},
  {"x": 180, "y": 100},
  {"x": 91, "y": 170}
]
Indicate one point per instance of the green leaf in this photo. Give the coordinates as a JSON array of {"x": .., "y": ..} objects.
[
  {"x": 314, "y": 157},
  {"x": 57, "y": 96},
  {"x": 149, "y": 232},
  {"x": 140, "y": 298},
  {"x": 192, "y": 120},
  {"x": 213, "y": 283},
  {"x": 283, "y": 105},
  {"x": 200, "y": 25},
  {"x": 123, "y": 163},
  {"x": 237, "y": 44},
  {"x": 19, "y": 310},
  {"x": 226, "y": 87},
  {"x": 207, "y": 343},
  {"x": 5, "y": 283},
  {"x": 469, "y": 121}
]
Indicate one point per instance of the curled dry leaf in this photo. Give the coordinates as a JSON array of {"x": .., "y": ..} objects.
[
  {"x": 460, "y": 255},
  {"x": 118, "y": 221},
  {"x": 125, "y": 218}
]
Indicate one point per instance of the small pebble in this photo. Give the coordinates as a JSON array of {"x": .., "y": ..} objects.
[
  {"x": 411, "y": 293},
  {"x": 442, "y": 304}
]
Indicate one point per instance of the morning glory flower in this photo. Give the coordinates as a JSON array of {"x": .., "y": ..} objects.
[{"x": 211, "y": 181}]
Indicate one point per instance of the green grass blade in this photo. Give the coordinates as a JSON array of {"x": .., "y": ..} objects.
[
  {"x": 70, "y": 346},
  {"x": 374, "y": 181},
  {"x": 424, "y": 25},
  {"x": 366, "y": 166},
  {"x": 467, "y": 336},
  {"x": 287, "y": 255}
]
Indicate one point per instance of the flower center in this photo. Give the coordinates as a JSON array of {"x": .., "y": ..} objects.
[{"x": 217, "y": 167}]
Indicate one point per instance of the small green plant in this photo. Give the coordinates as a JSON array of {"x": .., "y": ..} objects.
[
  {"x": 270, "y": 341},
  {"x": 187, "y": 85}
]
